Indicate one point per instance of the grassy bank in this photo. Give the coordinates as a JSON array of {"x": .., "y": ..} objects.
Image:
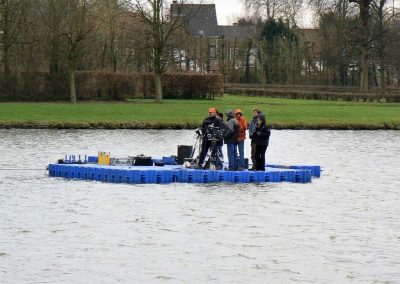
[{"x": 281, "y": 114}]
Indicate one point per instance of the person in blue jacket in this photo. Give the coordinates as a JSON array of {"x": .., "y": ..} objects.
[
  {"x": 231, "y": 140},
  {"x": 260, "y": 135}
]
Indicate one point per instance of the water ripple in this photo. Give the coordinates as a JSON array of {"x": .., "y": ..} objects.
[{"x": 342, "y": 228}]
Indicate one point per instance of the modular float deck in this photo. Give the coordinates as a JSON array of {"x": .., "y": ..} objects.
[{"x": 179, "y": 174}]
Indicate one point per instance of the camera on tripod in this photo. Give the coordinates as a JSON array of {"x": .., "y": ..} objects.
[
  {"x": 214, "y": 134},
  {"x": 209, "y": 142}
]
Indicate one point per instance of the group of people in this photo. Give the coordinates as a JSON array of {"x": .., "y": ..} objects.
[{"x": 232, "y": 132}]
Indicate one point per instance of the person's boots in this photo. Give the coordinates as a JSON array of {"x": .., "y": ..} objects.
[{"x": 253, "y": 168}]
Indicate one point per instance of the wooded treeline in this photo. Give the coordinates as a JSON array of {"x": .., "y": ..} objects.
[
  {"x": 355, "y": 42},
  {"x": 52, "y": 39}
]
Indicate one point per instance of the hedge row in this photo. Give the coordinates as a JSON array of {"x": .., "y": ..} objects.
[
  {"x": 100, "y": 85},
  {"x": 319, "y": 88},
  {"x": 392, "y": 89},
  {"x": 315, "y": 95},
  {"x": 182, "y": 85}
]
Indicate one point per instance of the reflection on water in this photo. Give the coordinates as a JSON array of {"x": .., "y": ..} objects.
[{"x": 342, "y": 228}]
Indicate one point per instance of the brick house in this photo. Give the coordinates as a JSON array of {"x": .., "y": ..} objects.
[{"x": 211, "y": 47}]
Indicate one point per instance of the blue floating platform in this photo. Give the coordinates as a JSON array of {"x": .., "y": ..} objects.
[{"x": 179, "y": 174}]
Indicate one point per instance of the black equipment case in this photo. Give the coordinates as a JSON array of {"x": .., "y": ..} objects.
[
  {"x": 184, "y": 151},
  {"x": 143, "y": 161}
]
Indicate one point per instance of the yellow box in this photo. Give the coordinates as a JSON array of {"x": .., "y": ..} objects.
[
  {"x": 104, "y": 158},
  {"x": 101, "y": 158}
]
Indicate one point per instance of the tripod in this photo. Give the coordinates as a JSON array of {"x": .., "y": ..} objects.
[
  {"x": 210, "y": 156},
  {"x": 196, "y": 145},
  {"x": 214, "y": 157}
]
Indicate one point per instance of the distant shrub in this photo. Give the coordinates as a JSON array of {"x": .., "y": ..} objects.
[
  {"x": 101, "y": 85},
  {"x": 36, "y": 86},
  {"x": 182, "y": 85},
  {"x": 304, "y": 92},
  {"x": 90, "y": 85},
  {"x": 104, "y": 85},
  {"x": 43, "y": 86}
]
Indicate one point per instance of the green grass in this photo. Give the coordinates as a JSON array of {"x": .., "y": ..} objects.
[{"x": 280, "y": 113}]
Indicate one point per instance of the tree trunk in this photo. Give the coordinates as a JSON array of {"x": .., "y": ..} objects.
[
  {"x": 8, "y": 30},
  {"x": 113, "y": 52},
  {"x": 247, "y": 64},
  {"x": 157, "y": 87},
  {"x": 158, "y": 96},
  {"x": 222, "y": 57},
  {"x": 364, "y": 70},
  {"x": 364, "y": 16},
  {"x": 7, "y": 57},
  {"x": 208, "y": 62},
  {"x": 382, "y": 73},
  {"x": 382, "y": 43},
  {"x": 7, "y": 69},
  {"x": 54, "y": 40},
  {"x": 54, "y": 57},
  {"x": 398, "y": 75},
  {"x": 201, "y": 55},
  {"x": 234, "y": 60},
  {"x": 261, "y": 62},
  {"x": 72, "y": 84}
]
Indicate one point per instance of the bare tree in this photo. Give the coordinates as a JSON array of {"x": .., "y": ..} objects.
[
  {"x": 53, "y": 21},
  {"x": 364, "y": 35},
  {"x": 383, "y": 35},
  {"x": 109, "y": 11},
  {"x": 75, "y": 28},
  {"x": 11, "y": 18},
  {"x": 345, "y": 31},
  {"x": 337, "y": 32},
  {"x": 161, "y": 23},
  {"x": 273, "y": 9},
  {"x": 268, "y": 8}
]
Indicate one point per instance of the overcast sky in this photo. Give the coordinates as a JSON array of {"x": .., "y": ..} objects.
[{"x": 227, "y": 10}]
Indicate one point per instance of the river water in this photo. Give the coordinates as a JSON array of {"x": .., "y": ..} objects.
[{"x": 341, "y": 228}]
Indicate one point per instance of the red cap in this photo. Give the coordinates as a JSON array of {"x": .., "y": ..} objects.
[{"x": 212, "y": 109}]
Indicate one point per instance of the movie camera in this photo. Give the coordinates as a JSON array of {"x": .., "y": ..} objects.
[{"x": 213, "y": 134}]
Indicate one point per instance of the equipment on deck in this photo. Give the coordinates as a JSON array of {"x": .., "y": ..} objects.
[
  {"x": 184, "y": 152},
  {"x": 143, "y": 160}
]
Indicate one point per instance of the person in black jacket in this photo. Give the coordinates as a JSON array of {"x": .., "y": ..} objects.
[
  {"x": 256, "y": 113},
  {"x": 260, "y": 135},
  {"x": 211, "y": 121}
]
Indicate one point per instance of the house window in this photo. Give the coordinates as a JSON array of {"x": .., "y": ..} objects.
[
  {"x": 232, "y": 53},
  {"x": 212, "y": 52},
  {"x": 178, "y": 54},
  {"x": 253, "y": 56}
]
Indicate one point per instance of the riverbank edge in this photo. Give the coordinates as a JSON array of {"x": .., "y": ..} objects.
[{"x": 188, "y": 125}]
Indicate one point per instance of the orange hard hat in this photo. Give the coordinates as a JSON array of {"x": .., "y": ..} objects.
[{"x": 238, "y": 111}]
